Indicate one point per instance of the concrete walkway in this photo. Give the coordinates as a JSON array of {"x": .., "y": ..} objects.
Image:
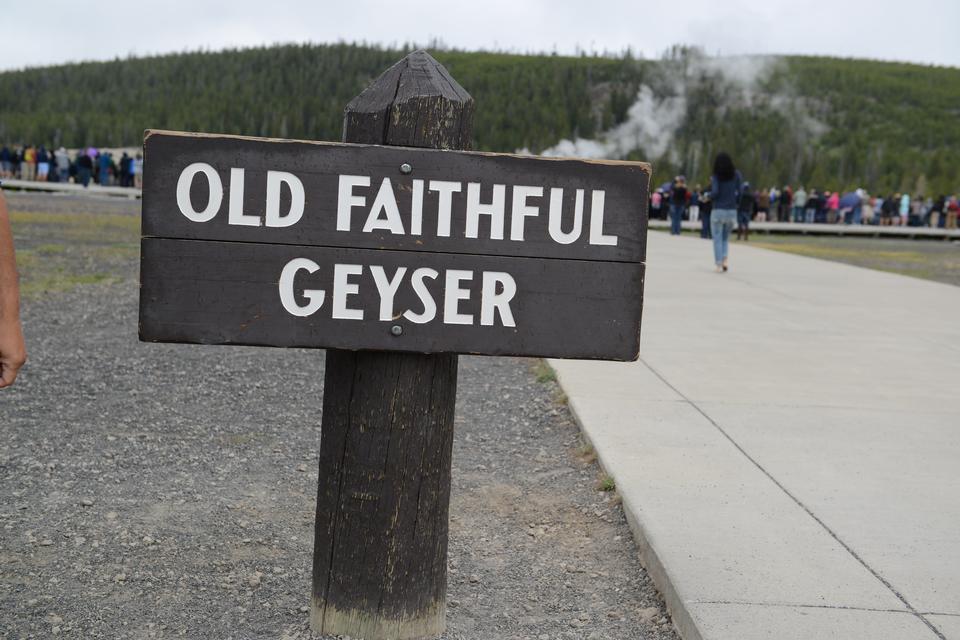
[{"x": 788, "y": 447}]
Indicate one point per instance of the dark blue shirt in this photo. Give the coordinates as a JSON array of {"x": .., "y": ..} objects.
[{"x": 725, "y": 194}]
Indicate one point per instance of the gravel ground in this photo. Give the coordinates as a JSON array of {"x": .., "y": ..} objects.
[{"x": 152, "y": 491}]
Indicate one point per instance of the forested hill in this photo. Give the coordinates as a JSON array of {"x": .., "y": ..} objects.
[{"x": 829, "y": 123}]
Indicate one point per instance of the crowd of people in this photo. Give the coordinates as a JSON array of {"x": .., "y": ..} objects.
[
  {"x": 676, "y": 201},
  {"x": 83, "y": 166}
]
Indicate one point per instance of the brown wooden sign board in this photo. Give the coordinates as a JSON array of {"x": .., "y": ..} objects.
[{"x": 305, "y": 244}]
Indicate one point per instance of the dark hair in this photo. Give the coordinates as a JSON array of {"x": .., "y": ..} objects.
[{"x": 723, "y": 167}]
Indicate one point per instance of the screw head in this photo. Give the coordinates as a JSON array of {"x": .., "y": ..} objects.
[
  {"x": 405, "y": 168},
  {"x": 396, "y": 330}
]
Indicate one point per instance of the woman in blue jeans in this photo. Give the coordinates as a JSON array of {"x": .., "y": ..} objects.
[{"x": 725, "y": 186}]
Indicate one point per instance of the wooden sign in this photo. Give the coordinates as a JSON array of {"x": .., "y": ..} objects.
[{"x": 305, "y": 244}]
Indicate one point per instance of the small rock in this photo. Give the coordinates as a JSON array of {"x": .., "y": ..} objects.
[
  {"x": 86, "y": 502},
  {"x": 304, "y": 609},
  {"x": 301, "y": 467},
  {"x": 46, "y": 542},
  {"x": 254, "y": 580},
  {"x": 120, "y": 577},
  {"x": 473, "y": 577},
  {"x": 648, "y": 614},
  {"x": 111, "y": 515}
]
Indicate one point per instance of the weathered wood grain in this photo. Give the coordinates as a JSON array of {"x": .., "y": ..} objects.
[
  {"x": 383, "y": 500},
  {"x": 319, "y": 165},
  {"x": 227, "y": 293}
]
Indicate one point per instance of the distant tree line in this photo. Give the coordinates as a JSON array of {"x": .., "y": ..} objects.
[{"x": 882, "y": 126}]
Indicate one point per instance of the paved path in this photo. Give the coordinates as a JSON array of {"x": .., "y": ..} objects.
[
  {"x": 73, "y": 188},
  {"x": 788, "y": 447}
]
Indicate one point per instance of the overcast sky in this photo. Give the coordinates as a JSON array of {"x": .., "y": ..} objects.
[{"x": 55, "y": 31}]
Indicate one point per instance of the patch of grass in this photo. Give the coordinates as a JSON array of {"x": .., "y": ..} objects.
[
  {"x": 926, "y": 259},
  {"x": 57, "y": 252},
  {"x": 586, "y": 453},
  {"x": 544, "y": 372},
  {"x": 561, "y": 398},
  {"x": 605, "y": 483}
]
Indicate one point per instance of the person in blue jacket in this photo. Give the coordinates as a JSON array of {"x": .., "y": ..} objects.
[{"x": 726, "y": 184}]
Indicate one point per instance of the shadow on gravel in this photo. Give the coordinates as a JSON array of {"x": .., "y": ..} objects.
[{"x": 168, "y": 491}]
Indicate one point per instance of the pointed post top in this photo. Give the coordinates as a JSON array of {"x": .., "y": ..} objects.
[{"x": 414, "y": 103}]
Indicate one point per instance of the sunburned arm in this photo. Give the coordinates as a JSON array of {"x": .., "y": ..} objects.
[{"x": 13, "y": 352}]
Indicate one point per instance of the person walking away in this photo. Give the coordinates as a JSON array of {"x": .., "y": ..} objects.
[
  {"x": 726, "y": 188},
  {"x": 678, "y": 201},
  {"x": 887, "y": 211},
  {"x": 904, "y": 209},
  {"x": 706, "y": 210},
  {"x": 694, "y": 207},
  {"x": 799, "y": 202},
  {"x": 28, "y": 164},
  {"x": 84, "y": 169},
  {"x": 746, "y": 205},
  {"x": 13, "y": 352},
  {"x": 63, "y": 164}
]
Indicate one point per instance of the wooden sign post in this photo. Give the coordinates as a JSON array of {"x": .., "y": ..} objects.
[{"x": 395, "y": 258}]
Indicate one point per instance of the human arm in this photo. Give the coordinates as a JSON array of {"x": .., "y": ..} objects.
[{"x": 13, "y": 351}]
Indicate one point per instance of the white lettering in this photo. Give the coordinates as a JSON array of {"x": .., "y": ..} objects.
[
  {"x": 521, "y": 209},
  {"x": 420, "y": 288},
  {"x": 342, "y": 287},
  {"x": 385, "y": 201},
  {"x": 445, "y": 189},
  {"x": 183, "y": 192},
  {"x": 288, "y": 299},
  {"x": 236, "y": 215},
  {"x": 556, "y": 217},
  {"x": 346, "y": 200},
  {"x": 491, "y": 301},
  {"x": 416, "y": 208},
  {"x": 596, "y": 221},
  {"x": 452, "y": 295},
  {"x": 273, "y": 217},
  {"x": 387, "y": 288},
  {"x": 494, "y": 209}
]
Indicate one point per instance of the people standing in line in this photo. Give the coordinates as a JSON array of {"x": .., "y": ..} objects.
[
  {"x": 5, "y": 162},
  {"x": 763, "y": 205},
  {"x": 746, "y": 206},
  {"x": 867, "y": 210},
  {"x": 953, "y": 208},
  {"x": 726, "y": 185},
  {"x": 28, "y": 164},
  {"x": 84, "y": 168},
  {"x": 799, "y": 202},
  {"x": 43, "y": 164},
  {"x": 833, "y": 207},
  {"x": 656, "y": 201},
  {"x": 904, "y": 209},
  {"x": 62, "y": 162},
  {"x": 706, "y": 210},
  {"x": 104, "y": 163},
  {"x": 812, "y": 207},
  {"x": 785, "y": 204},
  {"x": 138, "y": 171},
  {"x": 13, "y": 351},
  {"x": 694, "y": 208},
  {"x": 678, "y": 202}
]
